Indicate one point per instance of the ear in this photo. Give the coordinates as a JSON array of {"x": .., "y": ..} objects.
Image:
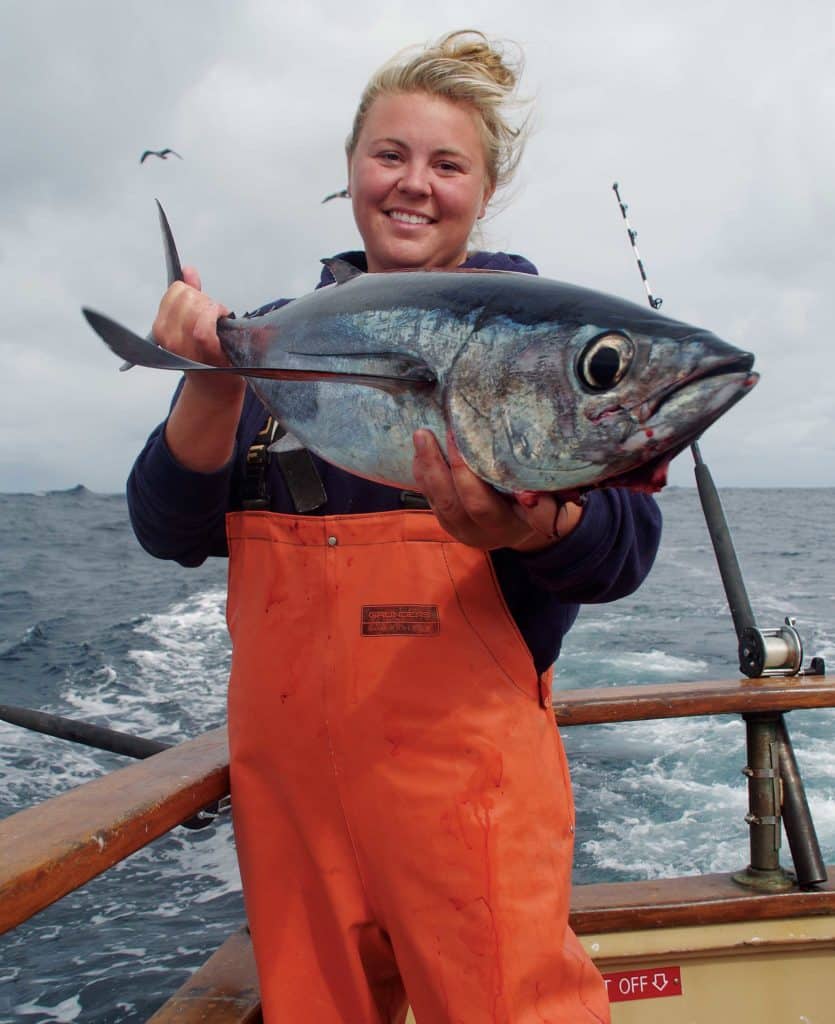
[
  {"x": 489, "y": 189},
  {"x": 348, "y": 171}
]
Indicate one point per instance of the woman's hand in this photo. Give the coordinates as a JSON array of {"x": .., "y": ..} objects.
[
  {"x": 186, "y": 321},
  {"x": 201, "y": 427},
  {"x": 477, "y": 515},
  {"x": 186, "y": 324}
]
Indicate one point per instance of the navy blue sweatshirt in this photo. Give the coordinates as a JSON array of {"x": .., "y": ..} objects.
[{"x": 180, "y": 514}]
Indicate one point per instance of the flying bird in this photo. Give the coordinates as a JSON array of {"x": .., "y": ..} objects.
[{"x": 163, "y": 154}]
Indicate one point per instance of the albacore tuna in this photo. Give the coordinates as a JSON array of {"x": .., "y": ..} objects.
[{"x": 544, "y": 386}]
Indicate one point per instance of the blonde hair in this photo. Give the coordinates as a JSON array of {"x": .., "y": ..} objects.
[{"x": 465, "y": 67}]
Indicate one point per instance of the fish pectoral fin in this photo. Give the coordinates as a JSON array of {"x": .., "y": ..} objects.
[
  {"x": 394, "y": 372},
  {"x": 397, "y": 367},
  {"x": 341, "y": 270}
]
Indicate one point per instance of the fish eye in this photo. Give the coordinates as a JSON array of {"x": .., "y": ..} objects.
[{"x": 604, "y": 361}]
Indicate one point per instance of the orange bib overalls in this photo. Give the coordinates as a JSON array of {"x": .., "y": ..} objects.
[{"x": 401, "y": 798}]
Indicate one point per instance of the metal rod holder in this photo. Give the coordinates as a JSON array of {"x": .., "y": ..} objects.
[
  {"x": 776, "y": 797},
  {"x": 764, "y": 803}
]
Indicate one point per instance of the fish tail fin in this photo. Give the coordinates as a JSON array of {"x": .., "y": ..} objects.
[
  {"x": 173, "y": 268},
  {"x": 172, "y": 259}
]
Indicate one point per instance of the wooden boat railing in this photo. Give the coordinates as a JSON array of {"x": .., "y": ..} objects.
[{"x": 61, "y": 844}]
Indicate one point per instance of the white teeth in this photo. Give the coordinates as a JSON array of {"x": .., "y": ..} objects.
[{"x": 408, "y": 218}]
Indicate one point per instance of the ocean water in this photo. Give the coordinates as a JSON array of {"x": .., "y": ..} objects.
[{"x": 92, "y": 627}]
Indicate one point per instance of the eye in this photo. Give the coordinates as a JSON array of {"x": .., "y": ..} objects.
[{"x": 604, "y": 361}]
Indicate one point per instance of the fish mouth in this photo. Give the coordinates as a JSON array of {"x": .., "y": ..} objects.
[
  {"x": 698, "y": 399},
  {"x": 671, "y": 419},
  {"x": 729, "y": 369}
]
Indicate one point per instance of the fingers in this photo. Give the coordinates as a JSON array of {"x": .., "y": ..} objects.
[
  {"x": 467, "y": 507},
  {"x": 476, "y": 514},
  {"x": 546, "y": 516},
  {"x": 429, "y": 466},
  {"x": 186, "y": 322},
  {"x": 438, "y": 479},
  {"x": 478, "y": 501},
  {"x": 539, "y": 511},
  {"x": 204, "y": 329}
]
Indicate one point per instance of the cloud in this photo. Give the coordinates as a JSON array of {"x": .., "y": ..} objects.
[{"x": 714, "y": 119}]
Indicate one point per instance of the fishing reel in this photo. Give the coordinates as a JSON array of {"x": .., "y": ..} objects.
[
  {"x": 771, "y": 652},
  {"x": 775, "y": 652}
]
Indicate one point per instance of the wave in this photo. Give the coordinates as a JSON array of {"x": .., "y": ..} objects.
[{"x": 113, "y": 636}]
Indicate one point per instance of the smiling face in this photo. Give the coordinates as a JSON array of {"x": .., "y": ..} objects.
[{"x": 418, "y": 180}]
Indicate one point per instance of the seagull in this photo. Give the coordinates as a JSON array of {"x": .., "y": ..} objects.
[{"x": 163, "y": 154}]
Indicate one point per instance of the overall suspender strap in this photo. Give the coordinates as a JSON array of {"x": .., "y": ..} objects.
[
  {"x": 300, "y": 474},
  {"x": 297, "y": 468},
  {"x": 302, "y": 479}
]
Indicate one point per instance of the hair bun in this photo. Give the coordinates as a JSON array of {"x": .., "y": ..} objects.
[{"x": 475, "y": 48}]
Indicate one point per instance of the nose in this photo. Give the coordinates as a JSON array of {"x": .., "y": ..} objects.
[{"x": 414, "y": 180}]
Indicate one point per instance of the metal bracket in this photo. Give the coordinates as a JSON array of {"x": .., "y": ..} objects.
[{"x": 208, "y": 815}]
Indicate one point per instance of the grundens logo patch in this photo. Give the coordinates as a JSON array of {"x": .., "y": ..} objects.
[{"x": 400, "y": 620}]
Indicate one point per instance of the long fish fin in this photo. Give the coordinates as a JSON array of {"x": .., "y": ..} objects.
[
  {"x": 135, "y": 350},
  {"x": 390, "y": 371}
]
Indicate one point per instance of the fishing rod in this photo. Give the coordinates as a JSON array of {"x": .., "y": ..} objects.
[
  {"x": 102, "y": 738},
  {"x": 653, "y": 301},
  {"x": 774, "y": 780},
  {"x": 762, "y": 652}
]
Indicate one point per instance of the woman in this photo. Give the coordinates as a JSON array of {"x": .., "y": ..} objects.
[{"x": 402, "y": 804}]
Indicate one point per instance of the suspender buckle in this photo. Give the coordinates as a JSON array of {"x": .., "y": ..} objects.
[{"x": 256, "y": 495}]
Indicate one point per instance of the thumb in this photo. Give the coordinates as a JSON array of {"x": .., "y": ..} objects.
[
  {"x": 192, "y": 278},
  {"x": 538, "y": 511}
]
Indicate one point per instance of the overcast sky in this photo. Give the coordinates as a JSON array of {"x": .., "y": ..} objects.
[{"x": 715, "y": 118}]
